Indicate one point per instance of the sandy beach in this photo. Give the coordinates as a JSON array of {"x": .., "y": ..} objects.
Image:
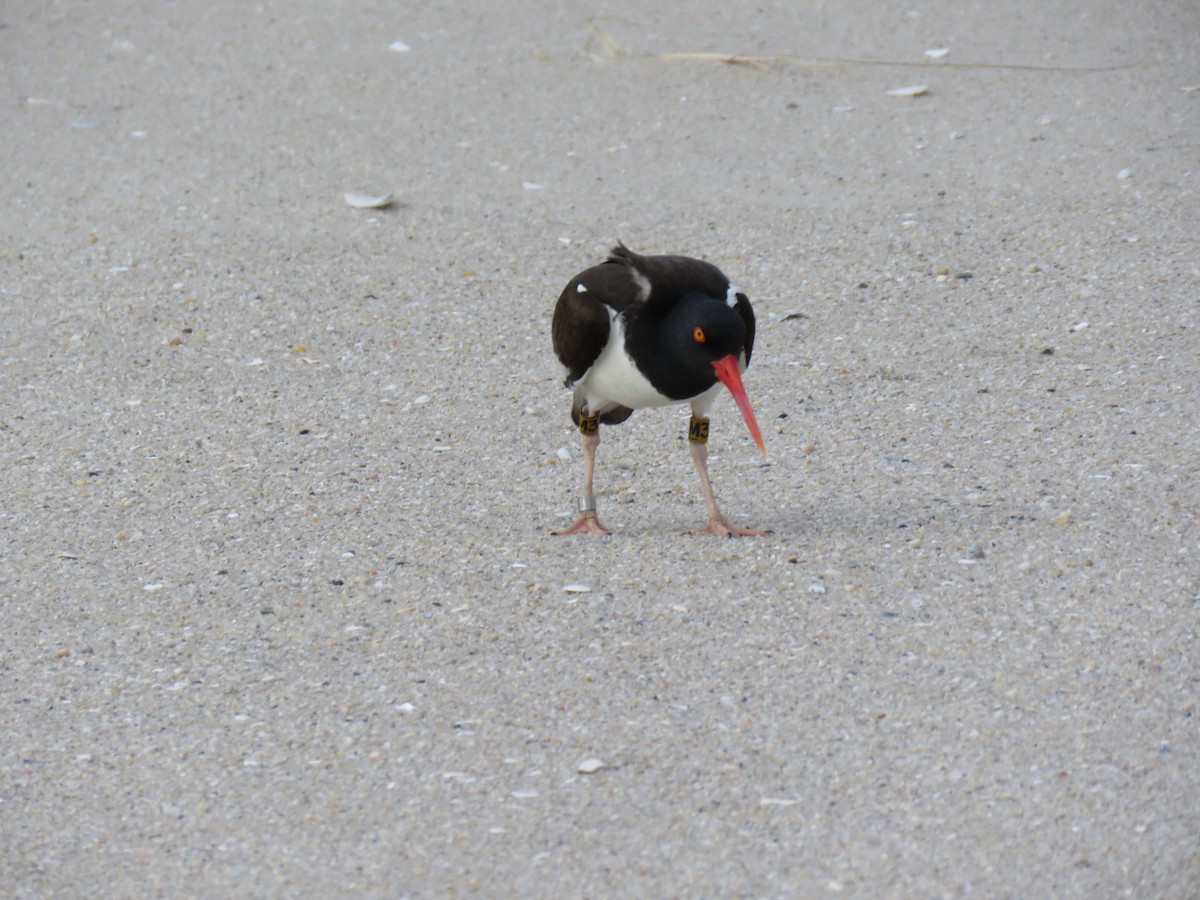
[{"x": 280, "y": 612}]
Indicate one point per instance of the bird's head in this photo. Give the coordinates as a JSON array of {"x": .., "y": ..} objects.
[{"x": 706, "y": 340}]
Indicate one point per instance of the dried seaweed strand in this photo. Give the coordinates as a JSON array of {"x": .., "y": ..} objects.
[
  {"x": 834, "y": 61},
  {"x": 610, "y": 44}
]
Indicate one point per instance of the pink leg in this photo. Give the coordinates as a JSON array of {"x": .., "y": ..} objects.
[
  {"x": 587, "y": 520},
  {"x": 717, "y": 523}
]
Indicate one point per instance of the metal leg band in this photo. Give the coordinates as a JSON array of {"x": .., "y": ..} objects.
[{"x": 587, "y": 504}]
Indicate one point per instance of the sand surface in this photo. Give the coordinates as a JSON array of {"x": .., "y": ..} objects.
[{"x": 280, "y": 612}]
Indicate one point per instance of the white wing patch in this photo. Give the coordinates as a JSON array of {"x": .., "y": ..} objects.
[
  {"x": 580, "y": 289},
  {"x": 642, "y": 282},
  {"x": 731, "y": 294}
]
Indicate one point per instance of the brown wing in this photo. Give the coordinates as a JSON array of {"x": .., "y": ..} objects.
[
  {"x": 581, "y": 323},
  {"x": 580, "y": 326},
  {"x": 673, "y": 276},
  {"x": 579, "y": 329}
]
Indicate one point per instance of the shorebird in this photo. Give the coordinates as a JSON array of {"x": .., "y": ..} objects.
[{"x": 640, "y": 331}]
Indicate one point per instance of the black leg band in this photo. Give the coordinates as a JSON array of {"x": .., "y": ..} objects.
[{"x": 698, "y": 431}]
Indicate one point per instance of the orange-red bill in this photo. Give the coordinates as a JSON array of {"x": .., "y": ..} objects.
[{"x": 727, "y": 371}]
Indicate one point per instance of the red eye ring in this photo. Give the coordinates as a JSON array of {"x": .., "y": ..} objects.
[{"x": 698, "y": 335}]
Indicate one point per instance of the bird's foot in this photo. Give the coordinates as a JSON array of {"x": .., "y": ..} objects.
[
  {"x": 722, "y": 527},
  {"x": 587, "y": 522}
]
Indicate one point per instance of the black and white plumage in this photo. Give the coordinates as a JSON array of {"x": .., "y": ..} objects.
[{"x": 641, "y": 331}]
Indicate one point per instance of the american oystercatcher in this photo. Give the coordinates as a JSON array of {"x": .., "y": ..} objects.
[{"x": 640, "y": 331}]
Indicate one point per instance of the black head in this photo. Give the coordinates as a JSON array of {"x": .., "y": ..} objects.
[{"x": 677, "y": 351}]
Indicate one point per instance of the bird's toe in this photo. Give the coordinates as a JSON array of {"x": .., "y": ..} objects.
[{"x": 586, "y": 523}]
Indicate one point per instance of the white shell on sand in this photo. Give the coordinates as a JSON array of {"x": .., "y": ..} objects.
[{"x": 368, "y": 201}]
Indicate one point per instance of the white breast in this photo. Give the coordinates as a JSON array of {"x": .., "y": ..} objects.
[{"x": 614, "y": 378}]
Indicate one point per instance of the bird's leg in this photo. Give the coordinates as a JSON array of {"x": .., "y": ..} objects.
[
  {"x": 589, "y": 427},
  {"x": 698, "y": 445}
]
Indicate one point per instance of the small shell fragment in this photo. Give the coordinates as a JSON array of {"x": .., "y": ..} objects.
[
  {"x": 590, "y": 766},
  {"x": 913, "y": 90},
  {"x": 577, "y": 589},
  {"x": 937, "y": 52},
  {"x": 399, "y": 47},
  {"x": 368, "y": 201}
]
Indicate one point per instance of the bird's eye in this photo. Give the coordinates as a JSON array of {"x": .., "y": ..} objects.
[{"x": 698, "y": 335}]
